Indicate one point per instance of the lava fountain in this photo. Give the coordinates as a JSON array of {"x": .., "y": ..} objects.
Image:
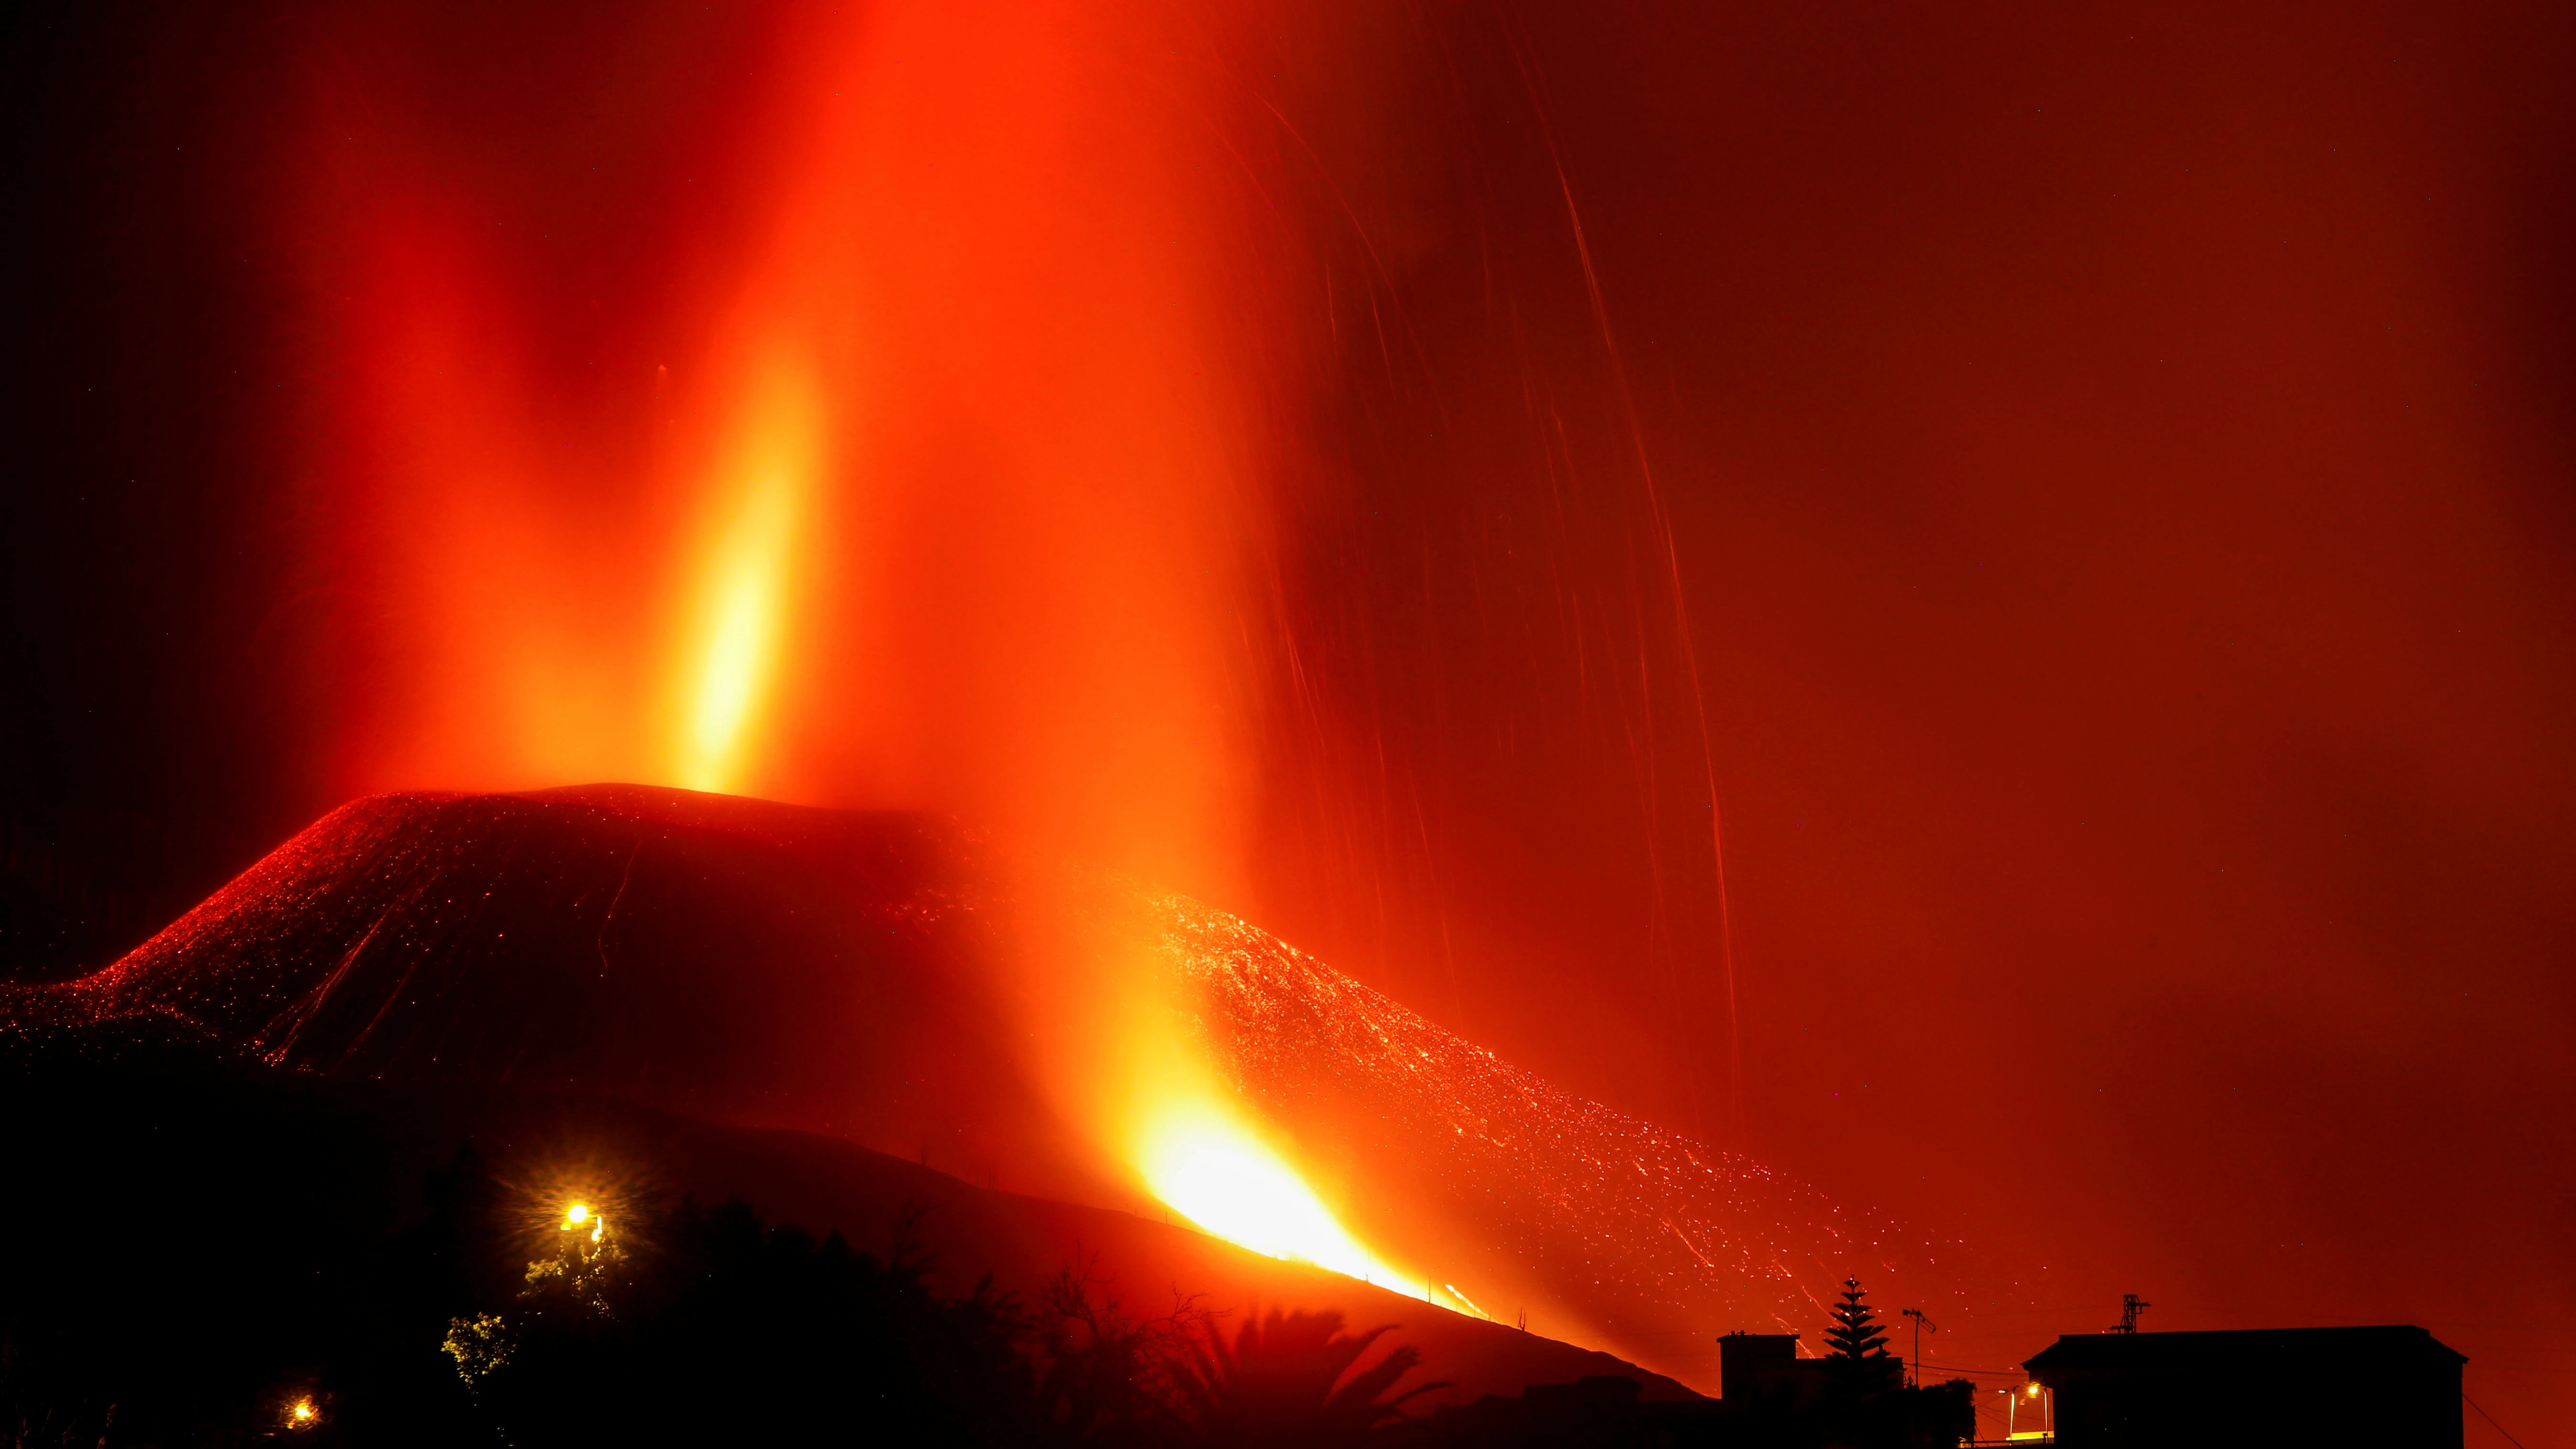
[
  {"x": 1214, "y": 1170},
  {"x": 868, "y": 407},
  {"x": 761, "y": 498},
  {"x": 933, "y": 497}
]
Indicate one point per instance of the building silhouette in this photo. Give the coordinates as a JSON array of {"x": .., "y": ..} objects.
[
  {"x": 2393, "y": 1387},
  {"x": 1764, "y": 1369}
]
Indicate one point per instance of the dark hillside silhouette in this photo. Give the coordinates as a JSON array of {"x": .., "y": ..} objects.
[
  {"x": 194, "y": 1243},
  {"x": 866, "y": 975},
  {"x": 716, "y": 1327}
]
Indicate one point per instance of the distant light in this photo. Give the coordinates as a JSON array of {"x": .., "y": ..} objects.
[
  {"x": 2034, "y": 1391},
  {"x": 580, "y": 1215},
  {"x": 301, "y": 1413}
]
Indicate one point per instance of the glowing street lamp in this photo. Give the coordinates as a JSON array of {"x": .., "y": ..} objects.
[{"x": 2047, "y": 1407}]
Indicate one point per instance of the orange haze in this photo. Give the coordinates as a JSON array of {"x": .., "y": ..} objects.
[
  {"x": 926, "y": 495},
  {"x": 2084, "y": 488}
]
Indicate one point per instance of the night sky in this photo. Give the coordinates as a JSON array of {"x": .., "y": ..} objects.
[{"x": 2086, "y": 493}]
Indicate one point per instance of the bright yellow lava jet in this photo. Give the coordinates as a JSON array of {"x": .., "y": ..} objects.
[
  {"x": 762, "y": 496},
  {"x": 1223, "y": 1178}
]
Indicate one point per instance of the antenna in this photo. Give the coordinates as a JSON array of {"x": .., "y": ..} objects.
[
  {"x": 2131, "y": 1305},
  {"x": 1922, "y": 1325}
]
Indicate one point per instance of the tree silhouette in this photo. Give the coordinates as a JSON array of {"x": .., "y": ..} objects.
[
  {"x": 490, "y": 1320},
  {"x": 1288, "y": 1379},
  {"x": 1105, "y": 1376},
  {"x": 722, "y": 1328},
  {"x": 1946, "y": 1414},
  {"x": 1859, "y": 1365}
]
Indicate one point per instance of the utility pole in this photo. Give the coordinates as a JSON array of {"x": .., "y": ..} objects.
[
  {"x": 2131, "y": 1305},
  {"x": 1921, "y": 1323}
]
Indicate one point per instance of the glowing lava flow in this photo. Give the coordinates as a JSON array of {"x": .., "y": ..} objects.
[
  {"x": 1221, "y": 1177},
  {"x": 776, "y": 455}
]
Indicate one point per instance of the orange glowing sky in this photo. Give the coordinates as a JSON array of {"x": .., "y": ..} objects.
[
  {"x": 921, "y": 513},
  {"x": 2109, "y": 491}
]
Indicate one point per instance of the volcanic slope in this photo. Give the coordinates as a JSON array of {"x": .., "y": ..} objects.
[
  {"x": 727, "y": 958},
  {"x": 1630, "y": 1237},
  {"x": 848, "y": 973},
  {"x": 293, "y": 1183}
]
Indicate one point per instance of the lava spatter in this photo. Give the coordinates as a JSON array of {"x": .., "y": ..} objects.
[{"x": 1651, "y": 1242}]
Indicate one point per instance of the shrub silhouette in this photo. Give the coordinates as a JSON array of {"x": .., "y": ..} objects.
[
  {"x": 288, "y": 1272},
  {"x": 1106, "y": 1376},
  {"x": 1289, "y": 1379},
  {"x": 716, "y": 1327}
]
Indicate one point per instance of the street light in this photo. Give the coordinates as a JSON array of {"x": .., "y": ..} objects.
[{"x": 2047, "y": 1412}]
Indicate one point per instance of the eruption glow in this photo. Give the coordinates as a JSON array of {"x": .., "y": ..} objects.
[
  {"x": 739, "y": 618},
  {"x": 1258, "y": 450},
  {"x": 962, "y": 258},
  {"x": 1221, "y": 1177}
]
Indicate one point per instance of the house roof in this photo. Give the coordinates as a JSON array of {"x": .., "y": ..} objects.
[{"x": 2390, "y": 1344}]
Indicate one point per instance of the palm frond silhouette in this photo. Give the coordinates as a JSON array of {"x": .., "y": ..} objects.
[{"x": 1291, "y": 1378}]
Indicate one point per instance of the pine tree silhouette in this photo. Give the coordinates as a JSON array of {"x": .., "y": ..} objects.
[{"x": 1859, "y": 1365}]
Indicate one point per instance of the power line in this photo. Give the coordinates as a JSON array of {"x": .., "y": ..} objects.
[
  {"x": 1921, "y": 1324},
  {"x": 2490, "y": 1418}
]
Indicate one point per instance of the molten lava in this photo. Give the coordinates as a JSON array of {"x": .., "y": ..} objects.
[{"x": 1215, "y": 1172}]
